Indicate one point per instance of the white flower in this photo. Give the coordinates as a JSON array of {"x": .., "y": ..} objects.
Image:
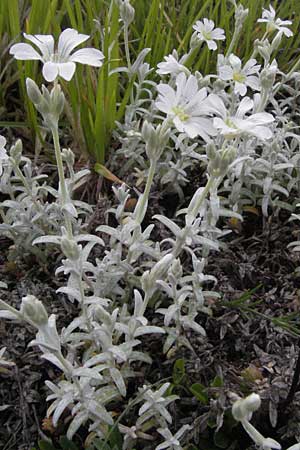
[
  {"x": 59, "y": 61},
  {"x": 3, "y": 153},
  {"x": 205, "y": 32},
  {"x": 239, "y": 125},
  {"x": 232, "y": 70},
  {"x": 172, "y": 65},
  {"x": 268, "y": 17},
  {"x": 186, "y": 106}
]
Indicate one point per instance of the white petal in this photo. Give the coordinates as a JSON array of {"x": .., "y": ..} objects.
[
  {"x": 253, "y": 82},
  {"x": 286, "y": 31},
  {"x": 50, "y": 71},
  {"x": 44, "y": 42},
  {"x": 215, "y": 105},
  {"x": 208, "y": 24},
  {"x": 163, "y": 106},
  {"x": 225, "y": 73},
  {"x": 218, "y": 34},
  {"x": 203, "y": 126},
  {"x": 66, "y": 70},
  {"x": 68, "y": 40},
  {"x": 240, "y": 88},
  {"x": 190, "y": 88},
  {"x": 90, "y": 56},
  {"x": 235, "y": 62},
  {"x": 179, "y": 125},
  {"x": 261, "y": 118},
  {"x": 245, "y": 105},
  {"x": 24, "y": 52},
  {"x": 180, "y": 83},
  {"x": 211, "y": 45},
  {"x": 2, "y": 142},
  {"x": 251, "y": 67}
]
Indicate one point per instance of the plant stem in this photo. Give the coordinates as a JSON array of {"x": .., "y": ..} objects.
[
  {"x": 62, "y": 181},
  {"x": 142, "y": 205}
]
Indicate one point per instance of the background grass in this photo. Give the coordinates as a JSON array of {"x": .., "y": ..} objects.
[{"x": 95, "y": 98}]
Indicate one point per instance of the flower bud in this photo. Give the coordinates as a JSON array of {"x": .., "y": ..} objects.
[
  {"x": 33, "y": 91},
  {"x": 160, "y": 269},
  {"x": 176, "y": 269},
  {"x": 195, "y": 41},
  {"x": 240, "y": 15},
  {"x": 243, "y": 408},
  {"x": 155, "y": 138},
  {"x": 158, "y": 272},
  {"x": 211, "y": 150},
  {"x": 70, "y": 248},
  {"x": 16, "y": 151},
  {"x": 126, "y": 11},
  {"x": 268, "y": 75},
  {"x": 34, "y": 310},
  {"x": 277, "y": 41},
  {"x": 57, "y": 101},
  {"x": 68, "y": 156},
  {"x": 265, "y": 50}
]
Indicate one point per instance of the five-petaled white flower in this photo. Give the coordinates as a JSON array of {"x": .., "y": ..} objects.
[
  {"x": 172, "y": 65},
  {"x": 59, "y": 61},
  {"x": 3, "y": 153},
  {"x": 239, "y": 124},
  {"x": 268, "y": 17},
  {"x": 232, "y": 70},
  {"x": 206, "y": 32},
  {"x": 186, "y": 106}
]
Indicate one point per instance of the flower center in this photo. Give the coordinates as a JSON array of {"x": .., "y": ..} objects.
[
  {"x": 239, "y": 77},
  {"x": 57, "y": 58},
  {"x": 180, "y": 113},
  {"x": 271, "y": 26},
  {"x": 233, "y": 134},
  {"x": 207, "y": 35}
]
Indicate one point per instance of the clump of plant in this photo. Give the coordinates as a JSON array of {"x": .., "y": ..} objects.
[{"x": 232, "y": 125}]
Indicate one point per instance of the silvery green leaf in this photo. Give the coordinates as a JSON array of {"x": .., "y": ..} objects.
[
  {"x": 9, "y": 315},
  {"x": 106, "y": 394},
  {"x": 206, "y": 242},
  {"x": 283, "y": 166},
  {"x": 71, "y": 292},
  {"x": 76, "y": 423},
  {"x": 228, "y": 213},
  {"x": 78, "y": 322},
  {"x": 7, "y": 311},
  {"x": 139, "y": 356},
  {"x": 193, "y": 325},
  {"x": 59, "y": 409},
  {"x": 99, "y": 411},
  {"x": 119, "y": 70},
  {"x": 140, "y": 59},
  {"x": 86, "y": 372},
  {"x": 171, "y": 339},
  {"x": 89, "y": 238},
  {"x": 118, "y": 380},
  {"x": 280, "y": 189},
  {"x": 51, "y": 357},
  {"x": 109, "y": 230},
  {"x": 168, "y": 223},
  {"x": 70, "y": 209},
  {"x": 147, "y": 330},
  {"x": 47, "y": 240}
]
